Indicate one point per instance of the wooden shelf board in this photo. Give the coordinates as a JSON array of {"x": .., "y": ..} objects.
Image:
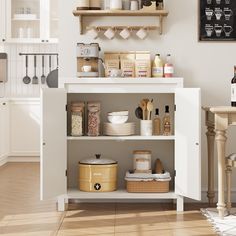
[
  {"x": 119, "y": 13},
  {"x": 119, "y": 194},
  {"x": 122, "y": 138}
]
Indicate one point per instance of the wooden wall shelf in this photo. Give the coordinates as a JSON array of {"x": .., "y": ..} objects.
[{"x": 90, "y": 13}]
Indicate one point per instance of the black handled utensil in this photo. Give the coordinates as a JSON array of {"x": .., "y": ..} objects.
[
  {"x": 139, "y": 113},
  {"x": 26, "y": 79},
  {"x": 43, "y": 77},
  {"x": 35, "y": 79}
]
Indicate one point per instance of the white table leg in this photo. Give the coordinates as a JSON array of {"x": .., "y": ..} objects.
[
  {"x": 228, "y": 187},
  {"x": 180, "y": 203},
  {"x": 220, "y": 142},
  {"x": 61, "y": 203}
]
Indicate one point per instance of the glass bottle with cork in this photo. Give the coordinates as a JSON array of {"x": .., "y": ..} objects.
[
  {"x": 167, "y": 122},
  {"x": 233, "y": 89},
  {"x": 157, "y": 123}
]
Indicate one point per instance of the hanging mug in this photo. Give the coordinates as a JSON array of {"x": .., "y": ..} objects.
[
  {"x": 93, "y": 32},
  {"x": 110, "y": 33},
  {"x": 142, "y": 33},
  {"x": 125, "y": 33}
]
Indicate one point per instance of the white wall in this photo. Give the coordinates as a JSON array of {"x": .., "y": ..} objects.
[{"x": 205, "y": 65}]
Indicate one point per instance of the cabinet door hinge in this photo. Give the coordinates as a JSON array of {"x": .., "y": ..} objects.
[
  {"x": 66, "y": 173},
  {"x": 175, "y": 173},
  {"x": 175, "y": 107},
  {"x": 66, "y": 107}
]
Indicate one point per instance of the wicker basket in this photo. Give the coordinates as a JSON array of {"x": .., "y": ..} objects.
[{"x": 147, "y": 186}]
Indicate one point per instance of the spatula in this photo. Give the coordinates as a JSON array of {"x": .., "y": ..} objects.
[{"x": 35, "y": 79}]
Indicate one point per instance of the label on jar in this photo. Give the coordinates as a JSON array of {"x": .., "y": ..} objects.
[
  {"x": 169, "y": 70},
  {"x": 157, "y": 71},
  {"x": 233, "y": 92}
]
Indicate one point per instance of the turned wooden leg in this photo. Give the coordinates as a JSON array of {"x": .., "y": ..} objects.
[
  {"x": 228, "y": 187},
  {"x": 220, "y": 142},
  {"x": 210, "y": 147}
]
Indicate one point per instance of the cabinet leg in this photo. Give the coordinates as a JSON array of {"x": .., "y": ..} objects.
[
  {"x": 210, "y": 147},
  {"x": 180, "y": 203},
  {"x": 61, "y": 203},
  {"x": 220, "y": 141},
  {"x": 228, "y": 187}
]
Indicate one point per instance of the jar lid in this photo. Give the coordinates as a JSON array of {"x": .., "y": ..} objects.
[
  {"x": 142, "y": 152},
  {"x": 98, "y": 161}
]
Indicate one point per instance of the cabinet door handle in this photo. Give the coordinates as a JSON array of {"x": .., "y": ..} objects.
[
  {"x": 197, "y": 144},
  {"x": 3, "y": 40},
  {"x": 4, "y": 104},
  {"x": 44, "y": 144},
  {"x": 43, "y": 41}
]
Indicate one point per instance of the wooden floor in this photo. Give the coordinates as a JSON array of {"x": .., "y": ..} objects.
[{"x": 22, "y": 214}]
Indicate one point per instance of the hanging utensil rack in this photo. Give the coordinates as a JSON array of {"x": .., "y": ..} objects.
[{"x": 38, "y": 54}]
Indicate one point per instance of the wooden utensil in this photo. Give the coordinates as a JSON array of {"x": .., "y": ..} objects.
[
  {"x": 149, "y": 110},
  {"x": 143, "y": 106}
]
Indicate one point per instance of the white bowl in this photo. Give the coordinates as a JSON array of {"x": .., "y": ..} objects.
[
  {"x": 117, "y": 119},
  {"x": 118, "y": 113}
]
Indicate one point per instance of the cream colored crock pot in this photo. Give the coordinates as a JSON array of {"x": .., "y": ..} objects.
[{"x": 97, "y": 175}]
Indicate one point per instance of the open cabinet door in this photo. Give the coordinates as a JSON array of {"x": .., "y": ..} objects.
[
  {"x": 187, "y": 144},
  {"x": 53, "y": 156}
]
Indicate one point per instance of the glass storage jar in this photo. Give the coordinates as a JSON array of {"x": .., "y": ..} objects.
[
  {"x": 77, "y": 118},
  {"x": 94, "y": 120}
]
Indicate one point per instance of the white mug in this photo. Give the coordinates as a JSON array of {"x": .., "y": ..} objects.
[
  {"x": 142, "y": 33},
  {"x": 110, "y": 33},
  {"x": 86, "y": 68},
  {"x": 125, "y": 33},
  {"x": 146, "y": 127},
  {"x": 134, "y": 5},
  {"x": 93, "y": 32}
]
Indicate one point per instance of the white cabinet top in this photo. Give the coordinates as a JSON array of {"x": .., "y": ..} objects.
[{"x": 120, "y": 85}]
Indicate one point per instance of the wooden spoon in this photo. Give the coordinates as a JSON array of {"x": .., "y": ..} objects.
[
  {"x": 143, "y": 105},
  {"x": 149, "y": 109}
]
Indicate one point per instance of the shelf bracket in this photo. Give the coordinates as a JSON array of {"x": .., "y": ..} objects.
[
  {"x": 160, "y": 24},
  {"x": 81, "y": 24}
]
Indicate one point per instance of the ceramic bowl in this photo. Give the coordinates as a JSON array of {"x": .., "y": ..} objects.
[
  {"x": 118, "y": 113},
  {"x": 116, "y": 119}
]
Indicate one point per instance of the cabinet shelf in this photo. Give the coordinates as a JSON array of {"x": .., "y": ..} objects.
[
  {"x": 120, "y": 85},
  {"x": 119, "y": 194},
  {"x": 90, "y": 13},
  {"x": 122, "y": 138}
]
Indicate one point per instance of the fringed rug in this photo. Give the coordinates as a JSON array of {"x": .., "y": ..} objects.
[{"x": 226, "y": 227}]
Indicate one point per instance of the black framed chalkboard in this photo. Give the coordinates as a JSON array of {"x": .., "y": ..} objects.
[{"x": 217, "y": 20}]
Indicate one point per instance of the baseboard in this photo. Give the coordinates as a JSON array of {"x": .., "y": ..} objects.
[
  {"x": 23, "y": 154},
  {"x": 3, "y": 160},
  {"x": 23, "y": 159}
]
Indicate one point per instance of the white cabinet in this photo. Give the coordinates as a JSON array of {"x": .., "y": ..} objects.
[
  {"x": 2, "y": 20},
  {"x": 4, "y": 130},
  {"x": 24, "y": 127},
  {"x": 54, "y": 141},
  {"x": 32, "y": 21}
]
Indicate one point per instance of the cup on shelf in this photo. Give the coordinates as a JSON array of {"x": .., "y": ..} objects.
[
  {"x": 146, "y": 127},
  {"x": 125, "y": 33},
  {"x": 110, "y": 33},
  {"x": 21, "y": 32},
  {"x": 93, "y": 33},
  {"x": 86, "y": 68},
  {"x": 142, "y": 33},
  {"x": 134, "y": 5}
]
